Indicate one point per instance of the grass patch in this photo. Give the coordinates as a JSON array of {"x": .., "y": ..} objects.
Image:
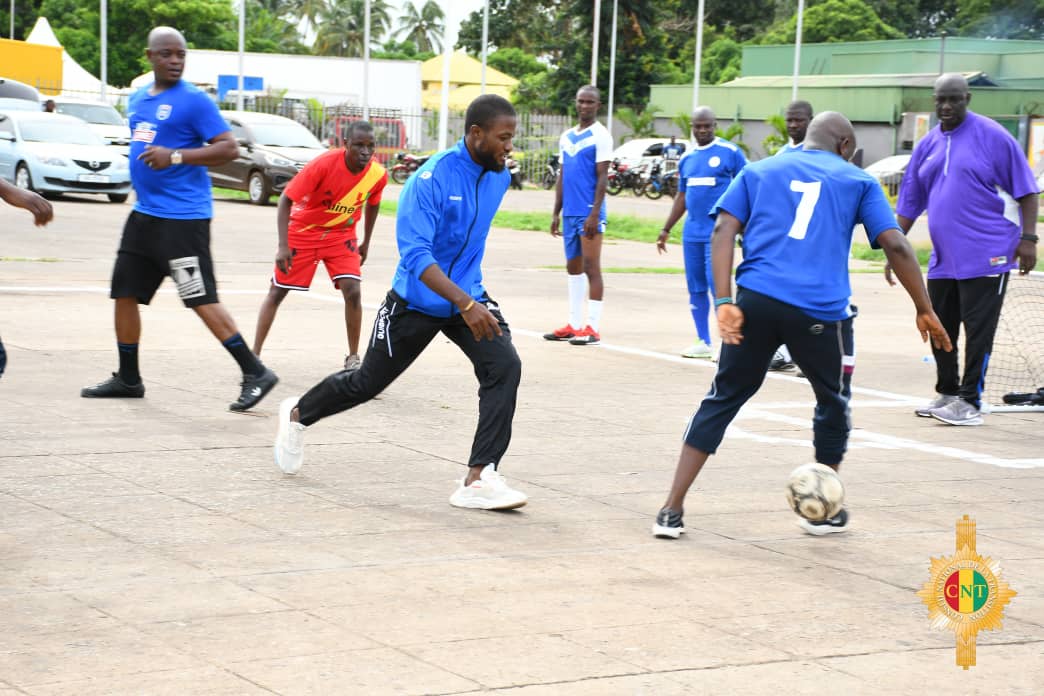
[
  {"x": 230, "y": 193},
  {"x": 630, "y": 269},
  {"x": 42, "y": 259},
  {"x": 863, "y": 252}
]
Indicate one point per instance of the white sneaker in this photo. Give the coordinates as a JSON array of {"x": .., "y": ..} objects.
[
  {"x": 938, "y": 402},
  {"x": 958, "y": 412},
  {"x": 699, "y": 349},
  {"x": 289, "y": 444},
  {"x": 488, "y": 492}
]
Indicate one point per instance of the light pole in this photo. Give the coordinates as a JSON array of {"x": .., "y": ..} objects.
[
  {"x": 104, "y": 31},
  {"x": 485, "y": 41},
  {"x": 594, "y": 41},
  {"x": 366, "y": 64},
  {"x": 242, "y": 34},
  {"x": 612, "y": 69}
]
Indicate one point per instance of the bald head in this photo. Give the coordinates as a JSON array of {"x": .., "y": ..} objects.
[
  {"x": 832, "y": 132},
  {"x": 951, "y": 100},
  {"x": 166, "y": 53},
  {"x": 164, "y": 35},
  {"x": 703, "y": 124}
]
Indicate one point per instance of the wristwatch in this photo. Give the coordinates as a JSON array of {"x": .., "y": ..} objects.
[{"x": 175, "y": 157}]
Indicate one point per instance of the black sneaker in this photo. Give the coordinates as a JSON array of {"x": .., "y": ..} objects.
[
  {"x": 780, "y": 363},
  {"x": 114, "y": 388},
  {"x": 254, "y": 388},
  {"x": 836, "y": 524},
  {"x": 668, "y": 524}
]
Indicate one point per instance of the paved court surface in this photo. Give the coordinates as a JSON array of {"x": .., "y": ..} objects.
[{"x": 151, "y": 547}]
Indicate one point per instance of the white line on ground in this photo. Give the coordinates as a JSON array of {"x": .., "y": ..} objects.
[{"x": 760, "y": 412}]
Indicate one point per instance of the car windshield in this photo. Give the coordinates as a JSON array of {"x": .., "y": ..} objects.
[
  {"x": 91, "y": 113},
  {"x": 47, "y": 131},
  {"x": 283, "y": 135}
]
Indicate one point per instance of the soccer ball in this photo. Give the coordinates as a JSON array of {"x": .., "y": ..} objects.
[{"x": 815, "y": 492}]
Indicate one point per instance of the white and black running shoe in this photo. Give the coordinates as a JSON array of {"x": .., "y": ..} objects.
[
  {"x": 668, "y": 524},
  {"x": 834, "y": 525}
]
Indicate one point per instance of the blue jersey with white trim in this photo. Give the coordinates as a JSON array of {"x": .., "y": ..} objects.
[
  {"x": 582, "y": 150},
  {"x": 799, "y": 212},
  {"x": 703, "y": 175}
]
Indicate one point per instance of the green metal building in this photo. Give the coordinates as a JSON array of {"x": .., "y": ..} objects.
[{"x": 882, "y": 86}]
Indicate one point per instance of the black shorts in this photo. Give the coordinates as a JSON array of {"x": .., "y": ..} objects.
[{"x": 153, "y": 248}]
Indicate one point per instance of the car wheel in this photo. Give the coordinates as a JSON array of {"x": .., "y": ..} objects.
[
  {"x": 258, "y": 188},
  {"x": 23, "y": 179},
  {"x": 118, "y": 197}
]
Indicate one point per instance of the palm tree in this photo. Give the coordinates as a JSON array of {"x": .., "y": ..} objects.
[
  {"x": 641, "y": 123},
  {"x": 778, "y": 137},
  {"x": 734, "y": 134},
  {"x": 424, "y": 27},
  {"x": 342, "y": 27}
]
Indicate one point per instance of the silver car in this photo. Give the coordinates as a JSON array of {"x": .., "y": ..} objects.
[{"x": 53, "y": 154}]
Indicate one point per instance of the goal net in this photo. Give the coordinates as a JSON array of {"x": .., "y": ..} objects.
[{"x": 1015, "y": 376}]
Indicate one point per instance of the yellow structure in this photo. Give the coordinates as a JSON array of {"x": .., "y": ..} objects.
[
  {"x": 33, "y": 64},
  {"x": 465, "y": 81}
]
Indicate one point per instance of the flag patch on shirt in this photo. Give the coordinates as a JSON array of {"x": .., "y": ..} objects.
[{"x": 998, "y": 260}]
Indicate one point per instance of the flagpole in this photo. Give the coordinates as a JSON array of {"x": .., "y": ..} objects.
[
  {"x": 366, "y": 64},
  {"x": 485, "y": 41},
  {"x": 797, "y": 49},
  {"x": 242, "y": 35},
  {"x": 699, "y": 58},
  {"x": 594, "y": 41},
  {"x": 612, "y": 70}
]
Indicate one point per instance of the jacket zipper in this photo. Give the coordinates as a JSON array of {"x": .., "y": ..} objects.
[{"x": 467, "y": 237}]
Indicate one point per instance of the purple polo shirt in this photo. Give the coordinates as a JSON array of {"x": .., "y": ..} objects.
[{"x": 968, "y": 179}]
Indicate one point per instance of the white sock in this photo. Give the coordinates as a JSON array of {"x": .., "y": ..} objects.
[
  {"x": 577, "y": 295},
  {"x": 594, "y": 313}
]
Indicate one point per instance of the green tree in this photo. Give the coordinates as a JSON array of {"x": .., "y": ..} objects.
[
  {"x": 642, "y": 123},
  {"x": 267, "y": 32},
  {"x": 833, "y": 21},
  {"x": 424, "y": 26},
  {"x": 342, "y": 27},
  {"x": 778, "y": 137},
  {"x": 734, "y": 134},
  {"x": 401, "y": 50},
  {"x": 515, "y": 62},
  {"x": 1003, "y": 19},
  {"x": 721, "y": 61},
  {"x": 526, "y": 24}
]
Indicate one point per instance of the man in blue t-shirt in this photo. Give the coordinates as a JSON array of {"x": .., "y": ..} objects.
[
  {"x": 703, "y": 175},
  {"x": 796, "y": 117},
  {"x": 796, "y": 214},
  {"x": 176, "y": 133},
  {"x": 580, "y": 198}
]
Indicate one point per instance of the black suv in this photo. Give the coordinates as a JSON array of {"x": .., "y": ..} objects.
[{"x": 272, "y": 149}]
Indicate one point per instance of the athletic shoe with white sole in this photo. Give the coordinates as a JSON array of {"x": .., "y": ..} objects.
[
  {"x": 289, "y": 444},
  {"x": 352, "y": 362},
  {"x": 253, "y": 388},
  {"x": 938, "y": 402},
  {"x": 699, "y": 349},
  {"x": 586, "y": 337},
  {"x": 958, "y": 412},
  {"x": 834, "y": 525},
  {"x": 563, "y": 334},
  {"x": 668, "y": 524},
  {"x": 488, "y": 492}
]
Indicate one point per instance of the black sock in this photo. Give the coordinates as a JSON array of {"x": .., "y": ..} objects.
[
  {"x": 248, "y": 362},
  {"x": 128, "y": 362}
]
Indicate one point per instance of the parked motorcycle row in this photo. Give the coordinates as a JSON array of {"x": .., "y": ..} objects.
[{"x": 648, "y": 178}]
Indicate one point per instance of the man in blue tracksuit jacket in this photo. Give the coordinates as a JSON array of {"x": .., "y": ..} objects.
[{"x": 444, "y": 215}]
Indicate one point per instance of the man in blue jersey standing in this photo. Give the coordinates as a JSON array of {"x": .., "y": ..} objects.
[
  {"x": 176, "y": 133},
  {"x": 445, "y": 212},
  {"x": 797, "y": 117},
  {"x": 796, "y": 214},
  {"x": 586, "y": 151},
  {"x": 703, "y": 175}
]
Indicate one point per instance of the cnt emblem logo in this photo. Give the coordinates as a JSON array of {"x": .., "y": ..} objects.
[{"x": 965, "y": 593}]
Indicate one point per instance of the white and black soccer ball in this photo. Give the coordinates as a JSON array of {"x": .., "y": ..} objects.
[{"x": 815, "y": 492}]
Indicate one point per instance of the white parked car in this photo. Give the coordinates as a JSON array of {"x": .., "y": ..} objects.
[
  {"x": 101, "y": 116},
  {"x": 54, "y": 153}
]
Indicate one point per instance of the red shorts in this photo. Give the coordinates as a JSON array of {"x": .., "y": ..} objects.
[{"x": 341, "y": 259}]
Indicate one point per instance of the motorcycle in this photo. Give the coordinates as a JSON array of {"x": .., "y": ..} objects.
[
  {"x": 405, "y": 164},
  {"x": 513, "y": 166},
  {"x": 658, "y": 182},
  {"x": 551, "y": 172},
  {"x": 621, "y": 176}
]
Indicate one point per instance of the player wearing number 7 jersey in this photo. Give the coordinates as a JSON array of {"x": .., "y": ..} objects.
[{"x": 796, "y": 214}]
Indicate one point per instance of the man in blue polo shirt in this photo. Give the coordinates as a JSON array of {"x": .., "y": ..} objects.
[
  {"x": 703, "y": 175},
  {"x": 796, "y": 214},
  {"x": 976, "y": 184},
  {"x": 580, "y": 198},
  {"x": 176, "y": 133}
]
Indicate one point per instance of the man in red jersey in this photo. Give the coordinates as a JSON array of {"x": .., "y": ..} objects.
[{"x": 316, "y": 222}]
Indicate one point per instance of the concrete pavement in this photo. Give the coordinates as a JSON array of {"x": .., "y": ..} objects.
[{"x": 152, "y": 547}]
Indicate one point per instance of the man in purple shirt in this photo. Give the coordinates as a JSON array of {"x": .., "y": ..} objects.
[{"x": 976, "y": 185}]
